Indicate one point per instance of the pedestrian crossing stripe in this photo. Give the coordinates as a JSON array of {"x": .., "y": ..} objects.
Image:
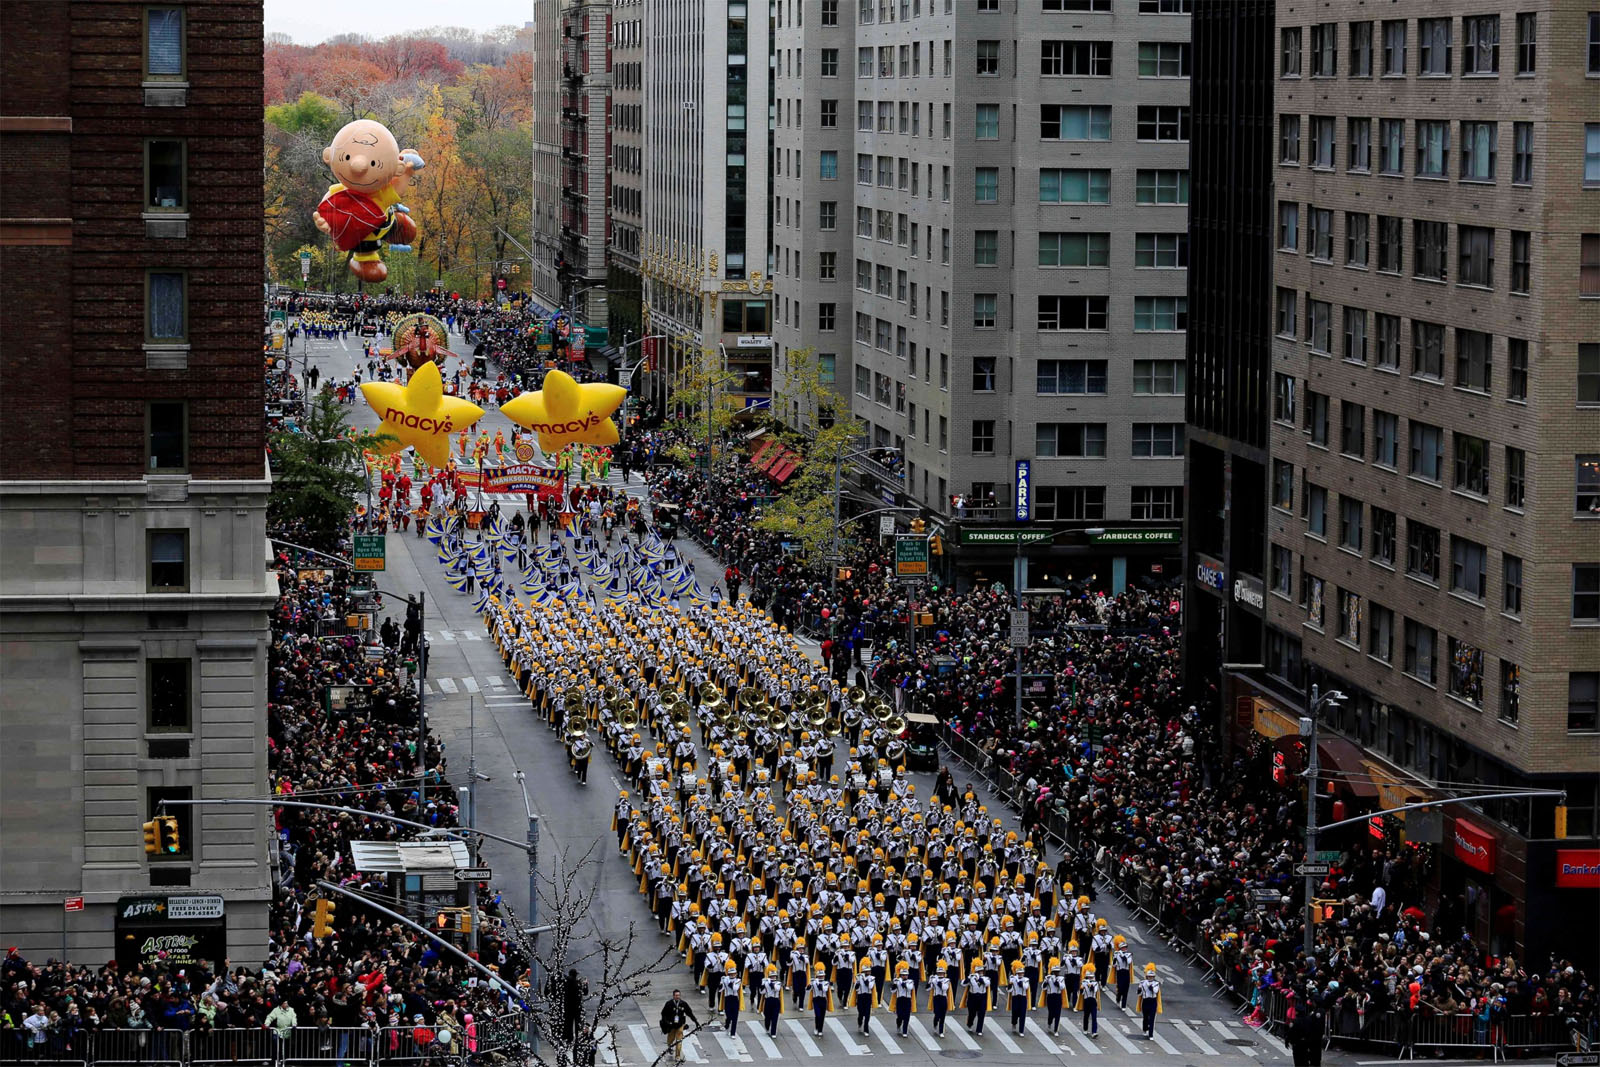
[
  {"x": 492, "y": 686},
  {"x": 453, "y": 636},
  {"x": 1120, "y": 1039}
]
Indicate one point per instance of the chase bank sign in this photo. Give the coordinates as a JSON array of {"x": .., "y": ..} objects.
[{"x": 1210, "y": 573}]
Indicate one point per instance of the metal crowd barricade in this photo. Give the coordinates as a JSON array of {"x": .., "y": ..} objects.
[
  {"x": 17, "y": 1047},
  {"x": 396, "y": 1045},
  {"x": 233, "y": 1045},
  {"x": 1442, "y": 1032},
  {"x": 147, "y": 1047},
  {"x": 343, "y": 1045}
]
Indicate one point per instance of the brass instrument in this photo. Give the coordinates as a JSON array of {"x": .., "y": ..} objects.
[
  {"x": 576, "y": 728},
  {"x": 817, "y": 715},
  {"x": 746, "y": 698},
  {"x": 679, "y": 714},
  {"x": 777, "y": 719},
  {"x": 611, "y": 695},
  {"x": 628, "y": 718},
  {"x": 572, "y": 696},
  {"x": 896, "y": 725},
  {"x": 881, "y": 709},
  {"x": 856, "y": 695}
]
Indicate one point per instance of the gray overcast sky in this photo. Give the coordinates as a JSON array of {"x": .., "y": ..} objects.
[{"x": 312, "y": 21}]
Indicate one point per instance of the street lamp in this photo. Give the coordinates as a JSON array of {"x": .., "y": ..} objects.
[{"x": 1308, "y": 730}]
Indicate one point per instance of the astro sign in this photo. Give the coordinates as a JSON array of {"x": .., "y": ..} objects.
[{"x": 1210, "y": 573}]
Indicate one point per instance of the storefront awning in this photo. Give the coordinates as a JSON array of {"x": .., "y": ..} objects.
[
  {"x": 1347, "y": 764},
  {"x": 1273, "y": 724}
]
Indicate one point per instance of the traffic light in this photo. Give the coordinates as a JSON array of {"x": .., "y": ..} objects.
[
  {"x": 1280, "y": 773},
  {"x": 1325, "y": 911},
  {"x": 152, "y": 838},
  {"x": 167, "y": 834},
  {"x": 322, "y": 919},
  {"x": 936, "y": 545},
  {"x": 845, "y": 574},
  {"x": 1561, "y": 822},
  {"x": 918, "y": 526}
]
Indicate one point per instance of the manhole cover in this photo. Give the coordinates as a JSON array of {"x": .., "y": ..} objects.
[
  {"x": 961, "y": 1054},
  {"x": 1240, "y": 1041}
]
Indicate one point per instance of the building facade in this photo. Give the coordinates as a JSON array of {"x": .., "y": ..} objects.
[
  {"x": 585, "y": 158},
  {"x": 625, "y": 291},
  {"x": 549, "y": 84},
  {"x": 134, "y": 583},
  {"x": 1431, "y": 546},
  {"x": 1014, "y": 201}
]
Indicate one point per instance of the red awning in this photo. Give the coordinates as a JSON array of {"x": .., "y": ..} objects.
[{"x": 784, "y": 469}]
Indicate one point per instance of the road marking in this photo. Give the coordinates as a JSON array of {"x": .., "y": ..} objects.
[
  {"x": 606, "y": 1043},
  {"x": 1116, "y": 1035},
  {"x": 927, "y": 1039},
  {"x": 962, "y": 1035},
  {"x": 804, "y": 1037},
  {"x": 445, "y": 635},
  {"x": 471, "y": 684},
  {"x": 1227, "y": 1035},
  {"x": 496, "y": 682},
  {"x": 1266, "y": 1035},
  {"x": 732, "y": 1047},
  {"x": 691, "y": 1048},
  {"x": 1043, "y": 1038},
  {"x": 881, "y": 1032},
  {"x": 1005, "y": 1039},
  {"x": 446, "y": 685},
  {"x": 1166, "y": 1046},
  {"x": 426, "y": 688},
  {"x": 1198, "y": 1041},
  {"x": 1133, "y": 934},
  {"x": 836, "y": 1028},
  {"x": 767, "y": 1046},
  {"x": 1081, "y": 1038},
  {"x": 643, "y": 1041},
  {"x": 472, "y": 635}
]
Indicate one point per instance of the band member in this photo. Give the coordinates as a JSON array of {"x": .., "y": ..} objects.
[
  {"x": 821, "y": 995},
  {"x": 1089, "y": 1001},
  {"x": 905, "y": 998},
  {"x": 939, "y": 996},
  {"x": 977, "y": 999},
  {"x": 1051, "y": 990},
  {"x": 1150, "y": 999},
  {"x": 771, "y": 999},
  {"x": 1018, "y": 989}
]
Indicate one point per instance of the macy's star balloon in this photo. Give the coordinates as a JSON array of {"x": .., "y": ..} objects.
[
  {"x": 565, "y": 412},
  {"x": 419, "y": 414}
]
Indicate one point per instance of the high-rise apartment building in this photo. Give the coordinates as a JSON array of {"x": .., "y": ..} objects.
[
  {"x": 135, "y": 588},
  {"x": 627, "y": 170},
  {"x": 705, "y": 230},
  {"x": 996, "y": 260},
  {"x": 1432, "y": 507}
]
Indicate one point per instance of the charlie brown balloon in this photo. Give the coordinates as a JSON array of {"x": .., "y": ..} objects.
[{"x": 362, "y": 211}]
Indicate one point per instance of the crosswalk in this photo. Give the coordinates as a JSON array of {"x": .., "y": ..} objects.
[{"x": 1119, "y": 1039}]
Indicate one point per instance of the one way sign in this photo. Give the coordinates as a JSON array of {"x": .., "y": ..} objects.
[{"x": 1303, "y": 870}]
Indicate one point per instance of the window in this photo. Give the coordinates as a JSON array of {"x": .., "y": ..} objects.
[
  {"x": 1163, "y": 60},
  {"x": 1356, "y": 241},
  {"x": 1324, "y": 50},
  {"x": 1159, "y": 7},
  {"x": 1589, "y": 374},
  {"x": 1359, "y": 155},
  {"x": 827, "y": 365},
  {"x": 1080, "y": 59},
  {"x": 1431, "y": 240},
  {"x": 1059, "y": 186},
  {"x": 167, "y": 435},
  {"x": 1522, "y": 153},
  {"x": 1466, "y": 672},
  {"x": 1382, "y": 544},
  {"x": 1380, "y": 633},
  {"x": 1594, "y": 43},
  {"x": 1422, "y": 551},
  {"x": 1468, "y": 567},
  {"x": 830, "y": 12},
  {"x": 1391, "y": 146},
  {"x": 882, "y": 389},
  {"x": 164, "y": 51},
  {"x": 1167, "y": 186},
  {"x": 1282, "y": 571},
  {"x": 1161, "y": 123},
  {"x": 1516, "y": 478},
  {"x": 1521, "y": 261},
  {"x": 1420, "y": 641},
  {"x": 986, "y": 248},
  {"x": 1476, "y": 256},
  {"x": 983, "y": 311},
  {"x": 1511, "y": 584},
  {"x": 863, "y": 168},
  {"x": 1314, "y": 508},
  {"x": 826, "y": 316},
  {"x": 1351, "y": 617},
  {"x": 864, "y": 275},
  {"x": 1583, "y": 701},
  {"x": 1478, "y": 146},
  {"x": 988, "y": 122},
  {"x": 168, "y": 570},
  {"x": 886, "y": 172},
  {"x": 986, "y": 182},
  {"x": 1160, "y": 313},
  {"x": 1586, "y": 592},
  {"x": 1288, "y": 313},
  {"x": 989, "y": 57},
  {"x": 1069, "y": 439},
  {"x": 1158, "y": 377},
  {"x": 1433, "y": 47},
  {"x": 1352, "y": 429},
  {"x": 1072, "y": 313},
  {"x": 1157, "y": 439},
  {"x": 1312, "y": 589},
  {"x": 1074, "y": 249},
  {"x": 1510, "y": 691},
  {"x": 1065, "y": 122},
  {"x": 944, "y": 433},
  {"x": 1387, "y": 349},
  {"x": 166, "y": 307},
  {"x": 1481, "y": 51},
  {"x": 1319, "y": 326},
  {"x": 1591, "y": 154},
  {"x": 1589, "y": 264},
  {"x": 1385, "y": 438},
  {"x": 1078, "y": 5},
  {"x": 830, "y": 63},
  {"x": 983, "y": 436},
  {"x": 1161, "y": 250},
  {"x": 1427, "y": 451},
  {"x": 863, "y": 334},
  {"x": 1527, "y": 42},
  {"x": 1319, "y": 243},
  {"x": 1391, "y": 243},
  {"x": 1289, "y": 52},
  {"x": 863, "y": 222},
  {"x": 169, "y": 704},
  {"x": 1317, "y": 417},
  {"x": 1062, "y": 377},
  {"x": 1351, "y": 512},
  {"x": 1361, "y": 50},
  {"x": 1283, "y": 485},
  {"x": 1394, "y": 47},
  {"x": 1517, "y": 369},
  {"x": 1473, "y": 360},
  {"x": 1355, "y": 335},
  {"x": 983, "y": 374},
  {"x": 1289, "y": 139},
  {"x": 828, "y": 219},
  {"x": 830, "y": 115},
  {"x": 1060, "y": 503},
  {"x": 165, "y": 184},
  {"x": 829, "y": 165},
  {"x": 1322, "y": 141},
  {"x": 1288, "y": 226},
  {"x": 1157, "y": 502},
  {"x": 1433, "y": 148},
  {"x": 1283, "y": 405}
]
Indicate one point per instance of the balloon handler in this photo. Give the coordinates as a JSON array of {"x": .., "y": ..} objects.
[{"x": 362, "y": 210}]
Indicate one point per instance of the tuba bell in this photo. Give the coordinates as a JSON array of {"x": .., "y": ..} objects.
[
  {"x": 576, "y": 728},
  {"x": 856, "y": 695},
  {"x": 817, "y": 715},
  {"x": 628, "y": 718},
  {"x": 573, "y": 696},
  {"x": 881, "y": 709}
]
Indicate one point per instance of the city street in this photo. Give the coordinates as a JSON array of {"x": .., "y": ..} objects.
[{"x": 470, "y": 696}]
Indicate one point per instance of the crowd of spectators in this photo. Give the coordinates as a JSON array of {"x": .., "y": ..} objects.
[{"x": 1127, "y": 767}]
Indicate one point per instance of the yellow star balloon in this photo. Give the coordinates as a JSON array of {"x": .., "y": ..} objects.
[
  {"x": 565, "y": 411},
  {"x": 419, "y": 414}
]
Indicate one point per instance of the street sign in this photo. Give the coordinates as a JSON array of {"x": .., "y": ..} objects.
[
  {"x": 1304, "y": 870},
  {"x": 1019, "y": 628},
  {"x": 74, "y": 903},
  {"x": 625, "y": 379},
  {"x": 368, "y": 553},
  {"x": 911, "y": 556},
  {"x": 1327, "y": 855},
  {"x": 1578, "y": 1059},
  {"x": 305, "y": 264},
  {"x": 474, "y": 874},
  {"x": 885, "y": 525}
]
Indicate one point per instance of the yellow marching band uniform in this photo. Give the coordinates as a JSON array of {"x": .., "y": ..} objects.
[{"x": 774, "y": 873}]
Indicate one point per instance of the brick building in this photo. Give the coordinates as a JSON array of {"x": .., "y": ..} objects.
[{"x": 134, "y": 593}]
